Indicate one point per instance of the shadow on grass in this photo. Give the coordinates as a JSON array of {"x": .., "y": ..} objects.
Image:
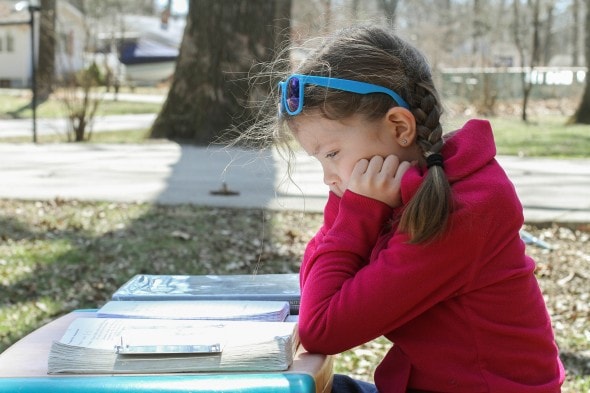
[
  {"x": 18, "y": 113},
  {"x": 576, "y": 364}
]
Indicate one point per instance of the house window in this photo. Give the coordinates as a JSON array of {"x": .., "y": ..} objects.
[{"x": 9, "y": 42}]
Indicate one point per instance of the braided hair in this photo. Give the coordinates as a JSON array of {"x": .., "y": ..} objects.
[{"x": 374, "y": 55}]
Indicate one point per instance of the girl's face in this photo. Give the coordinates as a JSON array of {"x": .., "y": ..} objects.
[{"x": 339, "y": 144}]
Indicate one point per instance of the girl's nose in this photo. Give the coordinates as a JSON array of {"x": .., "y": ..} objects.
[{"x": 330, "y": 178}]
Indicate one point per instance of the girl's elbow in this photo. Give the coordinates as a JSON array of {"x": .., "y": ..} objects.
[{"x": 317, "y": 341}]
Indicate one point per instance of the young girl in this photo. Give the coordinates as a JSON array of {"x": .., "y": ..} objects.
[{"x": 420, "y": 241}]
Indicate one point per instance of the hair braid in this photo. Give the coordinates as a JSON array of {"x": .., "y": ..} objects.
[
  {"x": 427, "y": 116},
  {"x": 427, "y": 213}
]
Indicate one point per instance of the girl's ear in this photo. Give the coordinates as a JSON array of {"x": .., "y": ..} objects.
[{"x": 402, "y": 124}]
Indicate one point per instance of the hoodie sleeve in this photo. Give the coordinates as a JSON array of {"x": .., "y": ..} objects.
[
  {"x": 347, "y": 301},
  {"x": 330, "y": 214}
]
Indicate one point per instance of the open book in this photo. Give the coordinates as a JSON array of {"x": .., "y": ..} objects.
[
  {"x": 107, "y": 345},
  {"x": 197, "y": 309},
  {"x": 275, "y": 287}
]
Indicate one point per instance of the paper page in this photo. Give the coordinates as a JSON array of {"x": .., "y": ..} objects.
[
  {"x": 107, "y": 333},
  {"x": 187, "y": 309}
]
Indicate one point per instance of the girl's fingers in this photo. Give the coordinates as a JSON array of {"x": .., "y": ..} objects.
[
  {"x": 375, "y": 165},
  {"x": 400, "y": 170},
  {"x": 390, "y": 165},
  {"x": 360, "y": 167}
]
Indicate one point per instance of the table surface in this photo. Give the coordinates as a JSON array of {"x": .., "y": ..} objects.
[{"x": 27, "y": 358}]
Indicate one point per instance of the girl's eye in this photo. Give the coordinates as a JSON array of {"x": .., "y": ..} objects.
[{"x": 331, "y": 154}]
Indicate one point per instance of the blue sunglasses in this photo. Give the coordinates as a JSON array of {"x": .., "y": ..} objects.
[{"x": 292, "y": 90}]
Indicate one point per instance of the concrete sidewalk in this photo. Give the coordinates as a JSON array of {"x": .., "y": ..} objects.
[{"x": 167, "y": 173}]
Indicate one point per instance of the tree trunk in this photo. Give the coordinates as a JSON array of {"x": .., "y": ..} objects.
[
  {"x": 520, "y": 35},
  {"x": 575, "y": 33},
  {"x": 535, "y": 54},
  {"x": 222, "y": 42},
  {"x": 582, "y": 115},
  {"x": 46, "y": 71},
  {"x": 548, "y": 36}
]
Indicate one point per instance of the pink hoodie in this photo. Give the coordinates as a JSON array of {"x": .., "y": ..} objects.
[{"x": 465, "y": 311}]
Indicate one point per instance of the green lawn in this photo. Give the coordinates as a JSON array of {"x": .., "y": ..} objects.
[
  {"x": 547, "y": 136},
  {"x": 18, "y": 107}
]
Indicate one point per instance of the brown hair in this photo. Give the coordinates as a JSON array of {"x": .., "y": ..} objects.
[{"x": 374, "y": 55}]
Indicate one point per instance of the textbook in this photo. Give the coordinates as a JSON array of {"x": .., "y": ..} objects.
[
  {"x": 252, "y": 310},
  {"x": 127, "y": 346},
  {"x": 278, "y": 287}
]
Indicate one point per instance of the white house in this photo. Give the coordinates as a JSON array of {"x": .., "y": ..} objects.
[{"x": 15, "y": 41}]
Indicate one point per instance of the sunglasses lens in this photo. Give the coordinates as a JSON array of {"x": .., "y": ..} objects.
[{"x": 293, "y": 94}]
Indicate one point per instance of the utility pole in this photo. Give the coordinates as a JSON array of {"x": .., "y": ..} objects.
[{"x": 33, "y": 7}]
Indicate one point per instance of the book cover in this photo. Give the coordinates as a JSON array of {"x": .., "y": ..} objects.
[
  {"x": 115, "y": 346},
  {"x": 252, "y": 310},
  {"x": 282, "y": 287}
]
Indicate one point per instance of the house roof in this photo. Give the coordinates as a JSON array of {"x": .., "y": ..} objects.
[{"x": 8, "y": 13}]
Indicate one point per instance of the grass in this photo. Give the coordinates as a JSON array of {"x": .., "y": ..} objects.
[
  {"x": 545, "y": 136},
  {"x": 548, "y": 137},
  {"x": 115, "y": 137},
  {"x": 12, "y": 107}
]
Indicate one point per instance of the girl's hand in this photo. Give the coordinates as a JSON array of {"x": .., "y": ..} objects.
[{"x": 379, "y": 178}]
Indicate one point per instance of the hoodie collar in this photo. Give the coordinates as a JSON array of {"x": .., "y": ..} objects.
[{"x": 465, "y": 151}]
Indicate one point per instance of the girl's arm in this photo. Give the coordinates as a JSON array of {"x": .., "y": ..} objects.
[
  {"x": 330, "y": 214},
  {"x": 346, "y": 301}
]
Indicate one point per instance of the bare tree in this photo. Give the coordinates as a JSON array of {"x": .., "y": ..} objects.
[
  {"x": 79, "y": 97},
  {"x": 77, "y": 89},
  {"x": 222, "y": 42},
  {"x": 529, "y": 52},
  {"x": 575, "y": 32},
  {"x": 582, "y": 115},
  {"x": 547, "y": 46}
]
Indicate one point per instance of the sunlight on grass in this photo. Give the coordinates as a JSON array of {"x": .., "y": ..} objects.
[
  {"x": 546, "y": 136},
  {"x": 580, "y": 384},
  {"x": 550, "y": 137},
  {"x": 360, "y": 362},
  {"x": 25, "y": 316},
  {"x": 120, "y": 137},
  {"x": 26, "y": 256},
  {"x": 13, "y": 107}
]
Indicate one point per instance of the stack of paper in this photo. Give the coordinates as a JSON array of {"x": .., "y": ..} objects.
[
  {"x": 106, "y": 345},
  {"x": 195, "y": 309}
]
